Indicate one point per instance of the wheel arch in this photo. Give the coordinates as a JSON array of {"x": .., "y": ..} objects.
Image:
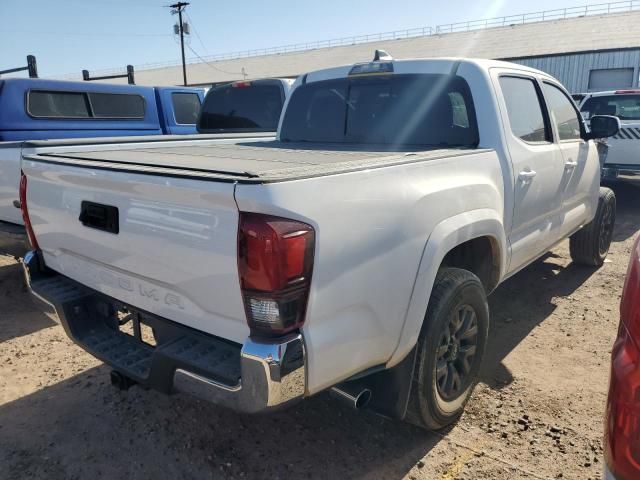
[{"x": 452, "y": 241}]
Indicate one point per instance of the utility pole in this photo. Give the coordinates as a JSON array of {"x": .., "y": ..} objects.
[{"x": 178, "y": 8}]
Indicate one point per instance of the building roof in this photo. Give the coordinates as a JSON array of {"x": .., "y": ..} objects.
[{"x": 589, "y": 33}]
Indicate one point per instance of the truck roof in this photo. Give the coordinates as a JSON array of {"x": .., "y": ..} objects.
[
  {"x": 413, "y": 65},
  {"x": 45, "y": 83}
]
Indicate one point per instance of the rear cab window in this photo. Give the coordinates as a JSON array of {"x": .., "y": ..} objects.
[
  {"x": 524, "y": 109},
  {"x": 242, "y": 106},
  {"x": 433, "y": 110},
  {"x": 624, "y": 106},
  {"x": 81, "y": 105},
  {"x": 186, "y": 107}
]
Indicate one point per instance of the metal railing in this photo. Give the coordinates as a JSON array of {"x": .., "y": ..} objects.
[{"x": 511, "y": 20}]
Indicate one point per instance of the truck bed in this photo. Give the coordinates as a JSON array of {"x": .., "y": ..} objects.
[{"x": 252, "y": 161}]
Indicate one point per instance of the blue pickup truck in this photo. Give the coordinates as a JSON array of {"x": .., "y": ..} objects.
[
  {"x": 40, "y": 109},
  {"x": 36, "y": 109}
]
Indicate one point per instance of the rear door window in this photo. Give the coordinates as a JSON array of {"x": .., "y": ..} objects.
[
  {"x": 563, "y": 113},
  {"x": 242, "y": 106},
  {"x": 524, "y": 109},
  {"x": 186, "y": 107},
  {"x": 402, "y": 109},
  {"x": 57, "y": 104}
]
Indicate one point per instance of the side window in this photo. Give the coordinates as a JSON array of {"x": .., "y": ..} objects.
[
  {"x": 57, "y": 104},
  {"x": 116, "y": 105},
  {"x": 186, "y": 107},
  {"x": 524, "y": 109},
  {"x": 562, "y": 112},
  {"x": 460, "y": 115}
]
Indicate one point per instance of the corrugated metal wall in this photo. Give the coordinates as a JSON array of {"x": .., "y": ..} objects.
[{"x": 573, "y": 69}]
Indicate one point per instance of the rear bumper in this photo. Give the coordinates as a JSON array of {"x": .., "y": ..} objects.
[
  {"x": 620, "y": 172},
  {"x": 260, "y": 375},
  {"x": 13, "y": 239}
]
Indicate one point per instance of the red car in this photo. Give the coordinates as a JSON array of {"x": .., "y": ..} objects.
[{"x": 622, "y": 429}]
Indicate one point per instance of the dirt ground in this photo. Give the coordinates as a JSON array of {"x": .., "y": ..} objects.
[{"x": 538, "y": 412}]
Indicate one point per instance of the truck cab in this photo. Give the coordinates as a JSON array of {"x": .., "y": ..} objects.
[
  {"x": 178, "y": 109},
  {"x": 621, "y": 157}
]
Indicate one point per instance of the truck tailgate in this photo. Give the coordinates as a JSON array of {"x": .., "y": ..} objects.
[{"x": 169, "y": 246}]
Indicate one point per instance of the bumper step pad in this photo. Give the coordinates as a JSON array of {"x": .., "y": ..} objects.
[{"x": 90, "y": 319}]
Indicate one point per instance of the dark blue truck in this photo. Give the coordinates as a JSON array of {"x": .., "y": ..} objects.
[
  {"x": 37, "y": 109},
  {"x": 40, "y": 109}
]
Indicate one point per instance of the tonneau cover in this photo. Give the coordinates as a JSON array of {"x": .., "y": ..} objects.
[{"x": 251, "y": 161}]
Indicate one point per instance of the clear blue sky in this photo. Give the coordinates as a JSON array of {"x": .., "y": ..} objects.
[{"x": 70, "y": 35}]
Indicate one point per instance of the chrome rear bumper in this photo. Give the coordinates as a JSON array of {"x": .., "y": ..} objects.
[
  {"x": 273, "y": 375},
  {"x": 261, "y": 375}
]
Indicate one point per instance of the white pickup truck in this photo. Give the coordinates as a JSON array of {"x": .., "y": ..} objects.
[
  {"x": 355, "y": 252},
  {"x": 621, "y": 156}
]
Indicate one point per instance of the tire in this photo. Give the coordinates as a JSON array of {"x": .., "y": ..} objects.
[
  {"x": 458, "y": 298},
  {"x": 590, "y": 245}
]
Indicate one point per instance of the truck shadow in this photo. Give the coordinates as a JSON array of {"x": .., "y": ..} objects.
[
  {"x": 84, "y": 428},
  {"x": 522, "y": 303},
  {"x": 526, "y": 300},
  {"x": 628, "y": 209},
  {"x": 20, "y": 314}
]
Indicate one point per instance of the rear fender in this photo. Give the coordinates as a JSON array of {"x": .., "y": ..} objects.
[{"x": 445, "y": 236}]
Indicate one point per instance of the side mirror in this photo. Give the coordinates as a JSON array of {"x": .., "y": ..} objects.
[{"x": 603, "y": 126}]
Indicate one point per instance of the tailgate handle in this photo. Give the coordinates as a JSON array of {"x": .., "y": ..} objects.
[{"x": 100, "y": 217}]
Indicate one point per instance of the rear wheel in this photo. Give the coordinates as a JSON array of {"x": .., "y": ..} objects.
[
  {"x": 450, "y": 349},
  {"x": 590, "y": 245}
]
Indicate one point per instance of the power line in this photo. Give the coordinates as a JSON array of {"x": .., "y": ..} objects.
[
  {"x": 89, "y": 34},
  {"x": 213, "y": 66},
  {"x": 195, "y": 30}
]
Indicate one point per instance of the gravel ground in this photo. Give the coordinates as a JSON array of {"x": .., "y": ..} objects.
[{"x": 536, "y": 414}]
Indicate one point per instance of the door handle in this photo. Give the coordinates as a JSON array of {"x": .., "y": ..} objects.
[
  {"x": 570, "y": 164},
  {"x": 527, "y": 175}
]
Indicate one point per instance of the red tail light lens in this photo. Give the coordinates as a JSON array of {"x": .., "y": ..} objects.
[
  {"x": 25, "y": 212},
  {"x": 275, "y": 262},
  {"x": 622, "y": 429},
  {"x": 241, "y": 84}
]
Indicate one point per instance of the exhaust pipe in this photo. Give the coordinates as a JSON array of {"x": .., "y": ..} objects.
[
  {"x": 355, "y": 396},
  {"x": 120, "y": 381}
]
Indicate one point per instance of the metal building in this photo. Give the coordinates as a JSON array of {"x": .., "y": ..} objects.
[{"x": 591, "y": 71}]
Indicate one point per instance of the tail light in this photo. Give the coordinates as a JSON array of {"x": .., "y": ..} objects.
[
  {"x": 622, "y": 429},
  {"x": 275, "y": 262},
  {"x": 25, "y": 212},
  {"x": 241, "y": 84}
]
